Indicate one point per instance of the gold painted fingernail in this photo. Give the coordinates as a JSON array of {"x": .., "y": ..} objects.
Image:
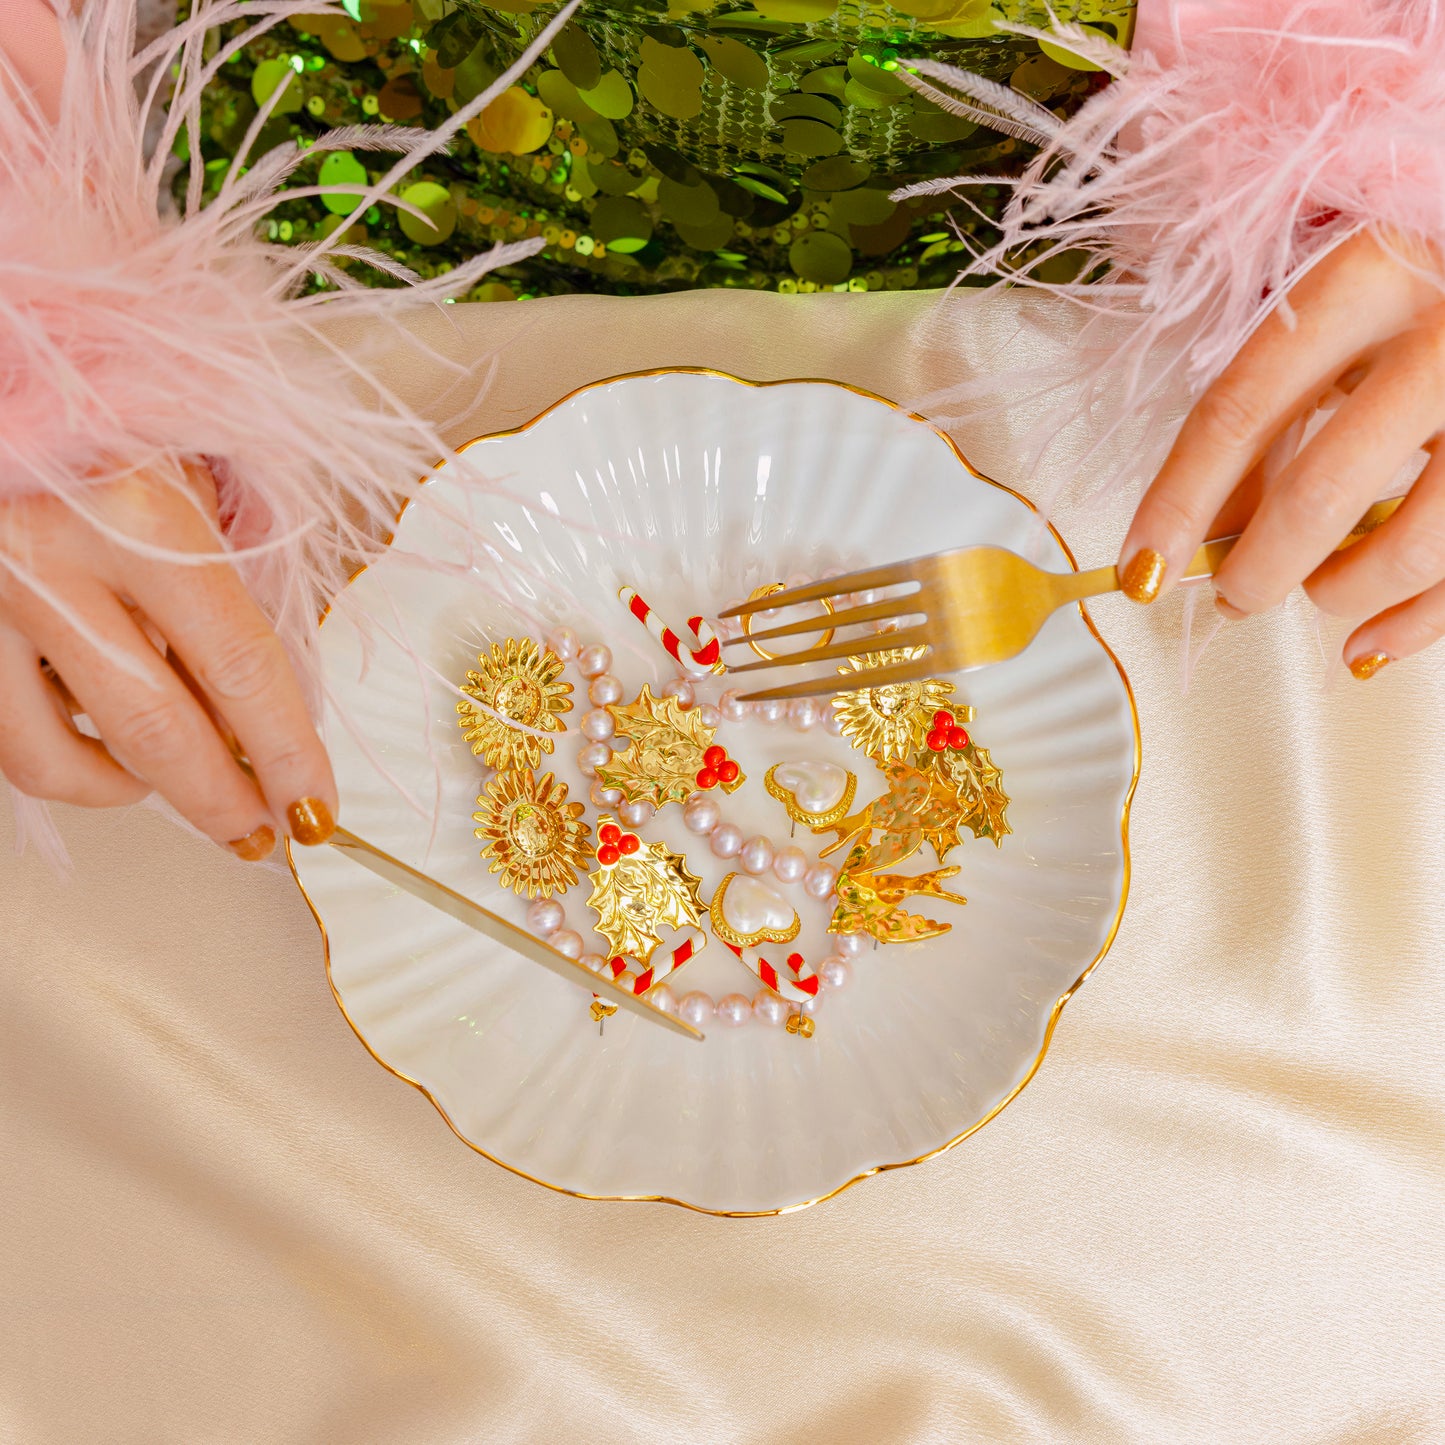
[
  {"x": 311, "y": 821},
  {"x": 1368, "y": 665},
  {"x": 254, "y": 846},
  {"x": 1141, "y": 580}
]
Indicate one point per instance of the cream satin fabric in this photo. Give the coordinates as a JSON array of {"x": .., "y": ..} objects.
[{"x": 1217, "y": 1214}]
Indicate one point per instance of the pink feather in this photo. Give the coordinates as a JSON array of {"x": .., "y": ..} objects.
[{"x": 1240, "y": 143}]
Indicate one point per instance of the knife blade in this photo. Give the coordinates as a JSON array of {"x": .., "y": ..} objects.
[{"x": 458, "y": 906}]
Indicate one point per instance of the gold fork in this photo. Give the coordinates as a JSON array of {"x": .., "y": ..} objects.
[{"x": 971, "y": 606}]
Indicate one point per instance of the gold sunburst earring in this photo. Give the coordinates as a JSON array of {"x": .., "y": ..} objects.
[
  {"x": 890, "y": 721},
  {"x": 513, "y": 696},
  {"x": 533, "y": 836}
]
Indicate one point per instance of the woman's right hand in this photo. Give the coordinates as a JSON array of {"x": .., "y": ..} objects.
[{"x": 78, "y": 611}]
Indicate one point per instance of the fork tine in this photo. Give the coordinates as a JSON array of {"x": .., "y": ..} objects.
[
  {"x": 857, "y": 647},
  {"x": 891, "y": 576},
  {"x": 875, "y": 612},
  {"x": 828, "y": 684}
]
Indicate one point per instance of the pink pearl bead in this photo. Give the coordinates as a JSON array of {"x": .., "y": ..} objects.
[
  {"x": 709, "y": 716},
  {"x": 852, "y": 945},
  {"x": 593, "y": 661},
  {"x": 695, "y": 1009},
  {"x": 568, "y": 942},
  {"x": 603, "y": 690},
  {"x": 819, "y": 881},
  {"x": 732, "y": 707},
  {"x": 774, "y": 710},
  {"x": 635, "y": 814},
  {"x": 790, "y": 864},
  {"x": 701, "y": 816},
  {"x": 810, "y": 1007},
  {"x": 663, "y": 999},
  {"x": 835, "y": 971},
  {"x": 832, "y": 723},
  {"x": 595, "y": 961},
  {"x": 796, "y": 579},
  {"x": 756, "y": 855},
  {"x": 604, "y": 797},
  {"x": 803, "y": 713},
  {"x": 597, "y": 725},
  {"x": 682, "y": 690},
  {"x": 563, "y": 642},
  {"x": 734, "y": 1010},
  {"x": 726, "y": 840},
  {"x": 545, "y": 917},
  {"x": 769, "y": 1009},
  {"x": 592, "y": 757}
]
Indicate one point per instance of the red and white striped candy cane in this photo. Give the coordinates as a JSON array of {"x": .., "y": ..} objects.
[
  {"x": 660, "y": 965},
  {"x": 706, "y": 657},
  {"x": 795, "y": 980}
]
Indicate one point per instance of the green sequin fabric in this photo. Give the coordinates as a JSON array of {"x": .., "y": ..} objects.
[{"x": 652, "y": 149}]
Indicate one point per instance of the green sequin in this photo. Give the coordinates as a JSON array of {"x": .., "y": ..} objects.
[{"x": 652, "y": 150}]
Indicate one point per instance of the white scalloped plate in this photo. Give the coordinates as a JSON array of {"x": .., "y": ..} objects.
[{"x": 696, "y": 487}]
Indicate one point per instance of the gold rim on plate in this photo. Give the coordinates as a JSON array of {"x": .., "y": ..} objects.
[{"x": 1054, "y": 1012}]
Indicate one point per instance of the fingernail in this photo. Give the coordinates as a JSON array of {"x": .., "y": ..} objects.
[
  {"x": 1228, "y": 610},
  {"x": 1141, "y": 580},
  {"x": 254, "y": 846},
  {"x": 1368, "y": 665},
  {"x": 311, "y": 821}
]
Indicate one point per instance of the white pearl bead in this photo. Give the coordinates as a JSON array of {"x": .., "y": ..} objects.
[
  {"x": 774, "y": 710},
  {"x": 597, "y": 725},
  {"x": 635, "y": 814},
  {"x": 605, "y": 797},
  {"x": 595, "y": 961},
  {"x": 682, "y": 690},
  {"x": 695, "y": 1009},
  {"x": 734, "y": 1010},
  {"x": 790, "y": 864},
  {"x": 810, "y": 1007},
  {"x": 709, "y": 716},
  {"x": 701, "y": 816},
  {"x": 820, "y": 880},
  {"x": 603, "y": 690},
  {"x": 663, "y": 999},
  {"x": 803, "y": 713},
  {"x": 726, "y": 840},
  {"x": 545, "y": 916},
  {"x": 832, "y": 723},
  {"x": 563, "y": 642},
  {"x": 852, "y": 945},
  {"x": 769, "y": 1009},
  {"x": 732, "y": 707},
  {"x": 568, "y": 942},
  {"x": 834, "y": 971},
  {"x": 593, "y": 661},
  {"x": 592, "y": 757},
  {"x": 756, "y": 855}
]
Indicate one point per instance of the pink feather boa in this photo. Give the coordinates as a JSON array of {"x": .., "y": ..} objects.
[
  {"x": 134, "y": 336},
  {"x": 1242, "y": 141}
]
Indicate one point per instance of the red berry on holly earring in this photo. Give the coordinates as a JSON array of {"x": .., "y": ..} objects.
[
  {"x": 706, "y": 778},
  {"x": 715, "y": 756},
  {"x": 957, "y": 738},
  {"x": 607, "y": 855},
  {"x": 609, "y": 833},
  {"x": 628, "y": 843},
  {"x": 728, "y": 771},
  {"x": 942, "y": 718},
  {"x": 937, "y": 740}
]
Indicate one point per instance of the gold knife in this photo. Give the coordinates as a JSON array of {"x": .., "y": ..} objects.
[{"x": 456, "y": 905}]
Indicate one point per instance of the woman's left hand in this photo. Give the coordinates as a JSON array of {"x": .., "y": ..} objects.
[{"x": 1374, "y": 322}]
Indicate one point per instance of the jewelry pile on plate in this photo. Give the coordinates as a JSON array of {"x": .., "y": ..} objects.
[{"x": 662, "y": 749}]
